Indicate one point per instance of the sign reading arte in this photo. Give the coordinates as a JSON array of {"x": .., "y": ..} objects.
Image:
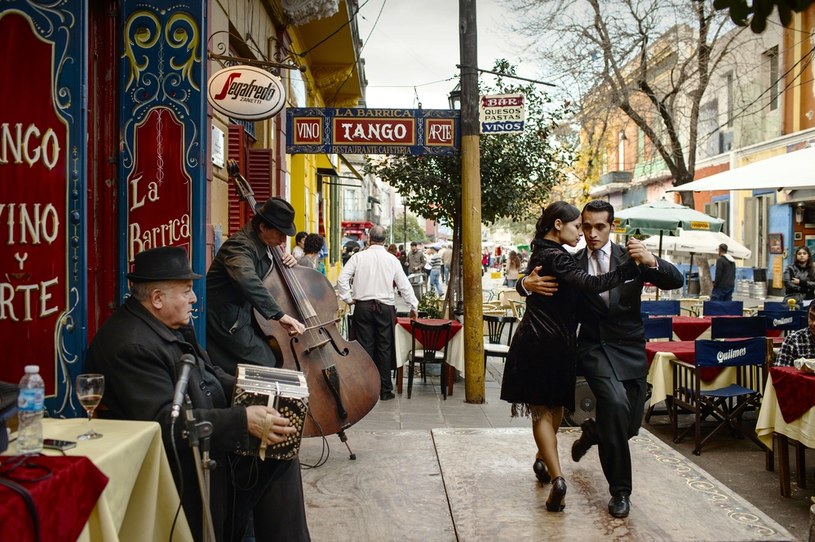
[
  {"x": 34, "y": 198},
  {"x": 246, "y": 92},
  {"x": 372, "y": 131}
]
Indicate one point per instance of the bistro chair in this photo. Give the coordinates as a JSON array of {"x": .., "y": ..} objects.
[
  {"x": 660, "y": 308},
  {"x": 659, "y": 327},
  {"x": 493, "y": 342},
  {"x": 776, "y": 306},
  {"x": 428, "y": 345},
  {"x": 737, "y": 327},
  {"x": 727, "y": 404},
  {"x": 722, "y": 308},
  {"x": 785, "y": 320}
]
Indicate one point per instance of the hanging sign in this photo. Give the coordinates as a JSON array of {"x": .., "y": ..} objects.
[
  {"x": 372, "y": 131},
  {"x": 501, "y": 114},
  {"x": 246, "y": 93}
]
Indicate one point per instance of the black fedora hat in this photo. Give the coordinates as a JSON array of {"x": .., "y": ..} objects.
[
  {"x": 162, "y": 263},
  {"x": 279, "y": 214}
]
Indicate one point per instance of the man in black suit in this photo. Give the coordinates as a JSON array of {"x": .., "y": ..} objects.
[{"x": 611, "y": 348}]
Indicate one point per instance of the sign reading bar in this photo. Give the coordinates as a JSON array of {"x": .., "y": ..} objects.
[
  {"x": 372, "y": 131},
  {"x": 501, "y": 114}
]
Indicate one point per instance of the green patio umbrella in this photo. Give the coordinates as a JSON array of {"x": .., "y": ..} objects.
[{"x": 661, "y": 217}]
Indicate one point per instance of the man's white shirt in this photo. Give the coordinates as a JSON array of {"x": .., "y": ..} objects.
[{"x": 374, "y": 271}]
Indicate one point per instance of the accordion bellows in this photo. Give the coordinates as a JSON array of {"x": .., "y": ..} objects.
[{"x": 283, "y": 389}]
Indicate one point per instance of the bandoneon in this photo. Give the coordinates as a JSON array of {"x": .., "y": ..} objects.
[{"x": 283, "y": 389}]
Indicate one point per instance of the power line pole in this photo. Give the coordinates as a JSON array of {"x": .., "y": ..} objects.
[{"x": 471, "y": 205}]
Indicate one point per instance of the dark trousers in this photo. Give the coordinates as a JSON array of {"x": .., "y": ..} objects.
[
  {"x": 620, "y": 407},
  {"x": 373, "y": 328},
  {"x": 272, "y": 491}
]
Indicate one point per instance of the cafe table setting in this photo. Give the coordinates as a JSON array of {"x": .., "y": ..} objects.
[
  {"x": 403, "y": 342},
  {"x": 787, "y": 410},
  {"x": 121, "y": 482}
]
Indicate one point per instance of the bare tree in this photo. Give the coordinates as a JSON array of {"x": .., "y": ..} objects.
[{"x": 649, "y": 59}]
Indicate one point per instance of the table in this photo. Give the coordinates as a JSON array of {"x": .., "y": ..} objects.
[
  {"x": 660, "y": 372},
  {"x": 64, "y": 491},
  {"x": 403, "y": 341},
  {"x": 689, "y": 328},
  {"x": 787, "y": 411},
  {"x": 140, "y": 499}
]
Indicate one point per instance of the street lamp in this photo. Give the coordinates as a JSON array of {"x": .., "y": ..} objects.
[{"x": 454, "y": 98}]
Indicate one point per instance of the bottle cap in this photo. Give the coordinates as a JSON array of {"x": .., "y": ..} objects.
[{"x": 32, "y": 369}]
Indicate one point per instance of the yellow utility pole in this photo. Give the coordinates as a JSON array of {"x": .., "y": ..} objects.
[{"x": 471, "y": 205}]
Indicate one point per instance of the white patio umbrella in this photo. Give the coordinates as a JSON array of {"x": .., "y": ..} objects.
[{"x": 698, "y": 242}]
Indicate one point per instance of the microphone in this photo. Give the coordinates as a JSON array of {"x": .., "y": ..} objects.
[{"x": 182, "y": 367}]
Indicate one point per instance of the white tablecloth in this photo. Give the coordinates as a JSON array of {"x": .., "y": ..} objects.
[{"x": 455, "y": 349}]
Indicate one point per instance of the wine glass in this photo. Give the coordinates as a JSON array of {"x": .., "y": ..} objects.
[{"x": 89, "y": 390}]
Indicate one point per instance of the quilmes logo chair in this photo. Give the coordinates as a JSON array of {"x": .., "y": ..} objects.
[
  {"x": 737, "y": 327},
  {"x": 660, "y": 308},
  {"x": 725, "y": 403},
  {"x": 722, "y": 308}
]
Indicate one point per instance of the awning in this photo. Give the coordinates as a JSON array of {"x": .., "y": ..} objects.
[{"x": 789, "y": 171}]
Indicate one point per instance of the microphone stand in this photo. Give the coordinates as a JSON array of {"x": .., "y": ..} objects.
[{"x": 198, "y": 435}]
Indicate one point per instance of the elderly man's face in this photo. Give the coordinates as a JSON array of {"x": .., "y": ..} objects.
[{"x": 177, "y": 299}]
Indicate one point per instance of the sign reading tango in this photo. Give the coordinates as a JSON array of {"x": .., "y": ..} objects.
[{"x": 372, "y": 131}]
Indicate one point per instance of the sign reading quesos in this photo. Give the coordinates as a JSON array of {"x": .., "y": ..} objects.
[{"x": 246, "y": 92}]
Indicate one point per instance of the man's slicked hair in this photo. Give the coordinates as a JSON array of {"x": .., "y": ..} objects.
[{"x": 600, "y": 206}]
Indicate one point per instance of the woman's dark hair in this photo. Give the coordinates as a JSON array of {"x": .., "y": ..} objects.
[
  {"x": 566, "y": 212},
  {"x": 313, "y": 244},
  {"x": 300, "y": 235}
]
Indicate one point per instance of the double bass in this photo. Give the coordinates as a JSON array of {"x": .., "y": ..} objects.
[{"x": 343, "y": 380}]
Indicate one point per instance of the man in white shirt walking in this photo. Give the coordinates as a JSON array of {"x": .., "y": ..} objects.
[{"x": 374, "y": 272}]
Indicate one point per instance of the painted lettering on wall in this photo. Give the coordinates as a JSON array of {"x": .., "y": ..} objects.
[{"x": 159, "y": 189}]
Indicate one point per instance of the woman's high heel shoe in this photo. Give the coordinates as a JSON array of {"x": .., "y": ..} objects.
[
  {"x": 556, "y": 495},
  {"x": 541, "y": 472}
]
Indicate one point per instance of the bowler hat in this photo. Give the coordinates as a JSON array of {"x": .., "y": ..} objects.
[
  {"x": 279, "y": 214},
  {"x": 163, "y": 263}
]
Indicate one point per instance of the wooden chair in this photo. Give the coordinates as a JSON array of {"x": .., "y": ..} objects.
[
  {"x": 660, "y": 308},
  {"x": 784, "y": 320},
  {"x": 428, "y": 345},
  {"x": 493, "y": 343},
  {"x": 737, "y": 327},
  {"x": 660, "y": 327},
  {"x": 518, "y": 308},
  {"x": 726, "y": 405}
]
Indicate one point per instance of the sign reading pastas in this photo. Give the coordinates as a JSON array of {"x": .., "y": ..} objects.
[
  {"x": 501, "y": 114},
  {"x": 372, "y": 131},
  {"x": 246, "y": 92}
]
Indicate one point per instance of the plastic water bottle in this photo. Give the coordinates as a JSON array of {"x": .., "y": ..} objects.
[{"x": 29, "y": 411}]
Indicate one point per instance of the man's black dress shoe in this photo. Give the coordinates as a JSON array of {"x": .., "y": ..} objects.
[
  {"x": 619, "y": 506},
  {"x": 556, "y": 495},
  {"x": 387, "y": 396},
  {"x": 588, "y": 438},
  {"x": 541, "y": 471}
]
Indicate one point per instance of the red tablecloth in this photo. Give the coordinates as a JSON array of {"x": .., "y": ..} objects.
[
  {"x": 64, "y": 498},
  {"x": 795, "y": 391},
  {"x": 455, "y": 326},
  {"x": 684, "y": 351},
  {"x": 688, "y": 328}
]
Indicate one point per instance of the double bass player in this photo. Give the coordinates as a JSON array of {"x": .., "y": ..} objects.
[
  {"x": 235, "y": 290},
  {"x": 235, "y": 287}
]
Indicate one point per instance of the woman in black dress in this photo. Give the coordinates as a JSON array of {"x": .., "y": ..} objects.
[
  {"x": 799, "y": 277},
  {"x": 539, "y": 377}
]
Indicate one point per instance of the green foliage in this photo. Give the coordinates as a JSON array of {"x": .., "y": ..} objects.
[
  {"x": 431, "y": 304},
  {"x": 756, "y": 12},
  {"x": 517, "y": 171},
  {"x": 415, "y": 232}
]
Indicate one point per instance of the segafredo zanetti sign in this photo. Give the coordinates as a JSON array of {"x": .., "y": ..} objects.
[{"x": 246, "y": 92}]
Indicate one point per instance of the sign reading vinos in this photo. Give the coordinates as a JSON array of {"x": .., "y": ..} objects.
[
  {"x": 372, "y": 131},
  {"x": 246, "y": 92}
]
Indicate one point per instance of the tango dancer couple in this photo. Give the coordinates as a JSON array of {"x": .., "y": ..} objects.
[{"x": 599, "y": 288}]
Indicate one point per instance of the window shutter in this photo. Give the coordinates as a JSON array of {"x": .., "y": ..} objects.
[
  {"x": 237, "y": 151},
  {"x": 259, "y": 172}
]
